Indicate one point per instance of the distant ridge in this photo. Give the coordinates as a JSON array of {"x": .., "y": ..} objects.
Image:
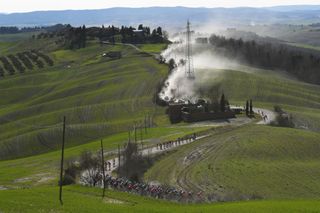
[{"x": 166, "y": 16}]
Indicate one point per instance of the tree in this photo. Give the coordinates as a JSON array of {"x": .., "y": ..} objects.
[
  {"x": 172, "y": 64},
  {"x": 154, "y": 33},
  {"x": 1, "y": 72},
  {"x": 222, "y": 103},
  {"x": 113, "y": 32},
  {"x": 83, "y": 36},
  {"x": 159, "y": 31},
  {"x": 247, "y": 108},
  {"x": 91, "y": 166},
  {"x": 134, "y": 164},
  {"x": 162, "y": 60}
]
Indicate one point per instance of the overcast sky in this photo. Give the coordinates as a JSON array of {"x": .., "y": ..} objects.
[{"x": 9, "y": 6}]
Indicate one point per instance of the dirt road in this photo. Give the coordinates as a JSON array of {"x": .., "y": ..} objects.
[{"x": 112, "y": 164}]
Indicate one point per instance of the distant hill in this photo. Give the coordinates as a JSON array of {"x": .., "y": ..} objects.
[
  {"x": 294, "y": 8},
  {"x": 170, "y": 17}
]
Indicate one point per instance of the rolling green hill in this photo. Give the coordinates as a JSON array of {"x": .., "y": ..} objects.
[
  {"x": 252, "y": 161},
  {"x": 98, "y": 95},
  {"x": 268, "y": 88},
  {"x": 103, "y": 98},
  {"x": 248, "y": 162},
  {"x": 83, "y": 199}
]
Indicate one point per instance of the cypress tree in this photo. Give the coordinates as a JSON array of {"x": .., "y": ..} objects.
[
  {"x": 247, "y": 107},
  {"x": 222, "y": 103}
]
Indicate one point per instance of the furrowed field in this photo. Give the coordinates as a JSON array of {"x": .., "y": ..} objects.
[{"x": 267, "y": 169}]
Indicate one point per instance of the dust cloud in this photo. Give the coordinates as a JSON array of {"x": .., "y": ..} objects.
[{"x": 207, "y": 65}]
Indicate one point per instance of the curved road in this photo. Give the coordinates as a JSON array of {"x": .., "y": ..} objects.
[{"x": 112, "y": 164}]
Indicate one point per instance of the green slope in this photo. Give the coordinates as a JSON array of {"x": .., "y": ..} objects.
[
  {"x": 99, "y": 96},
  {"x": 253, "y": 161},
  {"x": 82, "y": 199},
  {"x": 102, "y": 98},
  {"x": 268, "y": 88}
]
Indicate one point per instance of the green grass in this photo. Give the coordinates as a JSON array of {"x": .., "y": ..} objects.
[
  {"x": 82, "y": 199},
  {"x": 254, "y": 160},
  {"x": 152, "y": 48},
  {"x": 103, "y": 98},
  {"x": 266, "y": 89},
  {"x": 16, "y": 37},
  {"x": 43, "y": 169},
  {"x": 100, "y": 97}
]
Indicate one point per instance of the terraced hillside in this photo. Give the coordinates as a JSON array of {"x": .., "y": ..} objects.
[{"x": 99, "y": 96}]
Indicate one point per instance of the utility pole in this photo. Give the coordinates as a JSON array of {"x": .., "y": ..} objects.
[
  {"x": 135, "y": 133},
  {"x": 141, "y": 138},
  {"x": 129, "y": 135},
  {"x": 62, "y": 157},
  {"x": 149, "y": 121},
  {"x": 189, "y": 63},
  {"x": 119, "y": 157},
  {"x": 145, "y": 124},
  {"x": 103, "y": 171}
]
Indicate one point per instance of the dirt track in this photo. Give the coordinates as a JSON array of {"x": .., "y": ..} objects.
[{"x": 112, "y": 164}]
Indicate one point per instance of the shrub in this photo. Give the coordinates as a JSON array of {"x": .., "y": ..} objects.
[
  {"x": 46, "y": 58},
  {"x": 283, "y": 119},
  {"x": 7, "y": 65},
  {"x": 17, "y": 64},
  {"x": 25, "y": 60}
]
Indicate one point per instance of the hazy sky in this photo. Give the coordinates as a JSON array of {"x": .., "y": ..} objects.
[{"x": 9, "y": 6}]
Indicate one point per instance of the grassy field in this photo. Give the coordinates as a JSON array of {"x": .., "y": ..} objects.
[
  {"x": 82, "y": 199},
  {"x": 16, "y": 37},
  {"x": 104, "y": 98},
  {"x": 98, "y": 95},
  {"x": 246, "y": 162},
  {"x": 152, "y": 48},
  {"x": 43, "y": 169},
  {"x": 266, "y": 89}
]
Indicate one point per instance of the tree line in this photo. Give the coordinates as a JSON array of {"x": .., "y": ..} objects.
[
  {"x": 14, "y": 29},
  {"x": 23, "y": 61},
  {"x": 77, "y": 37},
  {"x": 302, "y": 64}
]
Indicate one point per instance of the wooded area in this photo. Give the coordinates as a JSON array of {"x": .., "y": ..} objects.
[{"x": 301, "y": 64}]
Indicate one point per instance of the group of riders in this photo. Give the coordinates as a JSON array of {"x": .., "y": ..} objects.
[
  {"x": 156, "y": 191},
  {"x": 111, "y": 164},
  {"x": 178, "y": 142},
  {"x": 263, "y": 115}
]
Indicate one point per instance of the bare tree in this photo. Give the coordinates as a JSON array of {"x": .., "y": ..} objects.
[{"x": 91, "y": 167}]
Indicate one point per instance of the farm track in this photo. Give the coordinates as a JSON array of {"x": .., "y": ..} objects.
[
  {"x": 184, "y": 178},
  {"x": 155, "y": 150}
]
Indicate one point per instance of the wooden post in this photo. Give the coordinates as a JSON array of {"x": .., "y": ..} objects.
[
  {"x": 119, "y": 157},
  {"x": 135, "y": 133},
  {"x": 103, "y": 171},
  {"x": 62, "y": 157},
  {"x": 149, "y": 125},
  {"x": 141, "y": 138},
  {"x": 129, "y": 136},
  {"x": 145, "y": 124}
]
